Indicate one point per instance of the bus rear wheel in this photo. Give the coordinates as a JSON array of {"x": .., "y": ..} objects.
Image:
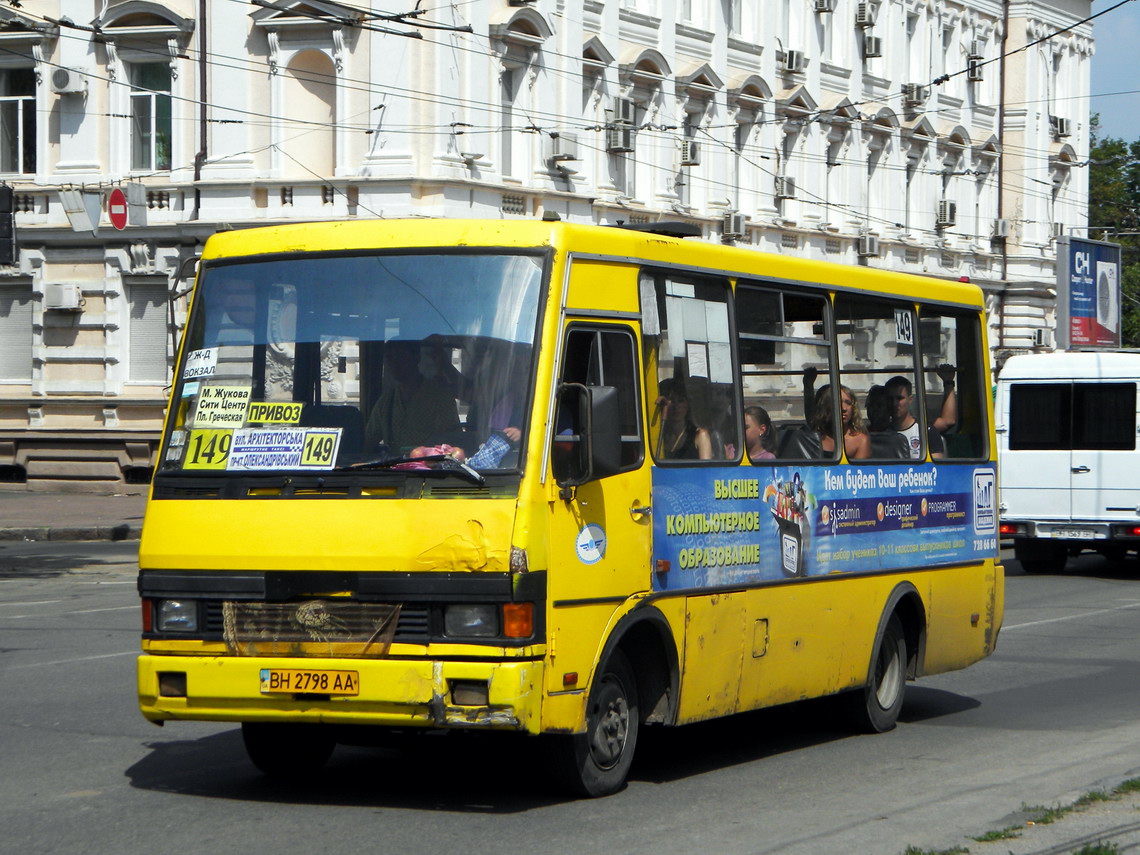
[
  {"x": 875, "y": 708},
  {"x": 596, "y": 762},
  {"x": 285, "y": 749}
]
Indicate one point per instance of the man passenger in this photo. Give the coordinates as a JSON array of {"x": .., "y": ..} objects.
[{"x": 900, "y": 392}]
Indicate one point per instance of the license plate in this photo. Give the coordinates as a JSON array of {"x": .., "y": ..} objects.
[
  {"x": 305, "y": 681},
  {"x": 1074, "y": 533}
]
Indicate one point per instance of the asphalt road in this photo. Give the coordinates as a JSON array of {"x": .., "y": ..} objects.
[{"x": 1051, "y": 715}]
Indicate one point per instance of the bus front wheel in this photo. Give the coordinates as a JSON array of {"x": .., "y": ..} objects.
[
  {"x": 875, "y": 708},
  {"x": 596, "y": 762},
  {"x": 287, "y": 750}
]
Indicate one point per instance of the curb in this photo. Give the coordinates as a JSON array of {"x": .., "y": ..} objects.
[{"x": 122, "y": 531}]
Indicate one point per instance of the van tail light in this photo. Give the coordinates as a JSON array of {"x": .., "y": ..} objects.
[
  {"x": 518, "y": 620},
  {"x": 1011, "y": 528}
]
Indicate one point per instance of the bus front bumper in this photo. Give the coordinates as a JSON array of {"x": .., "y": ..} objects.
[{"x": 394, "y": 693}]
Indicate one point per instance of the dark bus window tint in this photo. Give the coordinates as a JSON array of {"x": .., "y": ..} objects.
[
  {"x": 1104, "y": 416},
  {"x": 1040, "y": 417}
]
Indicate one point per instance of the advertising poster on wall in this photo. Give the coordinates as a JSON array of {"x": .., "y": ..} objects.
[
  {"x": 749, "y": 525},
  {"x": 1088, "y": 294}
]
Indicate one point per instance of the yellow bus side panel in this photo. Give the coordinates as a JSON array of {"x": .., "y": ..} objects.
[
  {"x": 595, "y": 284},
  {"x": 714, "y": 651}
]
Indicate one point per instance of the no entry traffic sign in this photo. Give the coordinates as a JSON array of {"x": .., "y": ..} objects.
[{"x": 117, "y": 208}]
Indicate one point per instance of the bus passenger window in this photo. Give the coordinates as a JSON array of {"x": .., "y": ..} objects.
[
  {"x": 689, "y": 372},
  {"x": 784, "y": 347},
  {"x": 952, "y": 373},
  {"x": 877, "y": 350}
]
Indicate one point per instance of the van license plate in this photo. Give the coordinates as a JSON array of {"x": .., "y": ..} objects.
[
  {"x": 304, "y": 681},
  {"x": 1074, "y": 533}
]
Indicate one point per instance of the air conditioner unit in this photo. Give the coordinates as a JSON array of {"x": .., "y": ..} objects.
[
  {"x": 1060, "y": 126},
  {"x": 976, "y": 50},
  {"x": 864, "y": 15},
  {"x": 914, "y": 94},
  {"x": 947, "y": 213},
  {"x": 63, "y": 297},
  {"x": 1042, "y": 338},
  {"x": 794, "y": 61},
  {"x": 872, "y": 47},
  {"x": 867, "y": 246},
  {"x": 625, "y": 111},
  {"x": 564, "y": 147},
  {"x": 690, "y": 153},
  {"x": 824, "y": 5},
  {"x": 785, "y": 187},
  {"x": 1057, "y": 230},
  {"x": 974, "y": 70},
  {"x": 68, "y": 81},
  {"x": 1000, "y": 229},
  {"x": 733, "y": 226},
  {"x": 619, "y": 138}
]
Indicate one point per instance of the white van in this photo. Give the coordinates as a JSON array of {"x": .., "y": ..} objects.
[{"x": 1068, "y": 465}]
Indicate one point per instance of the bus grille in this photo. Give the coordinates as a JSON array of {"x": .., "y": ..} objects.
[{"x": 353, "y": 621}]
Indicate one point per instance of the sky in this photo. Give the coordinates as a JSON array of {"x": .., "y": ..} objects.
[{"x": 1116, "y": 68}]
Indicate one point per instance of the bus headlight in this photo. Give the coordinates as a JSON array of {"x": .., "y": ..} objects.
[
  {"x": 177, "y": 616},
  {"x": 471, "y": 619}
]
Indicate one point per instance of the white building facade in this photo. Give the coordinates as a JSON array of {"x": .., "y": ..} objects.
[{"x": 943, "y": 138}]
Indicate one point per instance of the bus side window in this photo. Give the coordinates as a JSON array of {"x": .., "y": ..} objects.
[
  {"x": 784, "y": 347},
  {"x": 878, "y": 346},
  {"x": 604, "y": 357},
  {"x": 689, "y": 371},
  {"x": 952, "y": 372}
]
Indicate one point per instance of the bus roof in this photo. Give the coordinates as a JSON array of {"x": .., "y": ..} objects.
[{"x": 656, "y": 249}]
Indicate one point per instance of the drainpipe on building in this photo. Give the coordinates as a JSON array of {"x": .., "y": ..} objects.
[
  {"x": 1001, "y": 168},
  {"x": 203, "y": 138}
]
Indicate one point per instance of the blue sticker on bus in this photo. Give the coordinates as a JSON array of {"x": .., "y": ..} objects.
[
  {"x": 745, "y": 525},
  {"x": 591, "y": 544}
]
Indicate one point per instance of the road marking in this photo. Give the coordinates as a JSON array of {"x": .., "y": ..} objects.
[
  {"x": 61, "y": 614},
  {"x": 33, "y": 603},
  {"x": 1071, "y": 617},
  {"x": 69, "y": 661}
]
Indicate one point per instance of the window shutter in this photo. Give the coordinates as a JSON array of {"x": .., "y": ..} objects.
[
  {"x": 16, "y": 333},
  {"x": 148, "y": 332}
]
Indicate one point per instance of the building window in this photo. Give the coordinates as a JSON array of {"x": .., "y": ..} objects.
[
  {"x": 17, "y": 120},
  {"x": 16, "y": 333},
  {"x": 147, "y": 332},
  {"x": 150, "y": 116}
]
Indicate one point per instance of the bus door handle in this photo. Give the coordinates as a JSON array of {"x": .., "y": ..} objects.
[
  {"x": 1080, "y": 470},
  {"x": 640, "y": 512}
]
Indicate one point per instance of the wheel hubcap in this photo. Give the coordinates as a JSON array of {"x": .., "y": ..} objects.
[
  {"x": 611, "y": 725},
  {"x": 890, "y": 678}
]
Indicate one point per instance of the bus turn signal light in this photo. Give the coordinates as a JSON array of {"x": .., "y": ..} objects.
[{"x": 518, "y": 620}]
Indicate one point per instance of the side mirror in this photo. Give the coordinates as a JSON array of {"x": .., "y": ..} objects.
[{"x": 587, "y": 442}]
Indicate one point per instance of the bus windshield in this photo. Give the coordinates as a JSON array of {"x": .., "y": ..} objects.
[{"x": 353, "y": 361}]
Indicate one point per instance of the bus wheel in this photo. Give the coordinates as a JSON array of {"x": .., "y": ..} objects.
[
  {"x": 285, "y": 749},
  {"x": 596, "y": 763},
  {"x": 875, "y": 708}
]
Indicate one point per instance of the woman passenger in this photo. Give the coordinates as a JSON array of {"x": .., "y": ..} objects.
[
  {"x": 759, "y": 435},
  {"x": 856, "y": 441}
]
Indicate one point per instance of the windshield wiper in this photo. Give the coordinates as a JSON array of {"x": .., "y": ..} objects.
[{"x": 452, "y": 465}]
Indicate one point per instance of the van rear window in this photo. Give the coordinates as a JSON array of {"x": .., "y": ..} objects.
[{"x": 1067, "y": 416}]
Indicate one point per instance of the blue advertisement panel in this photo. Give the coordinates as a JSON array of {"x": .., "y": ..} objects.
[
  {"x": 1089, "y": 273},
  {"x": 743, "y": 525}
]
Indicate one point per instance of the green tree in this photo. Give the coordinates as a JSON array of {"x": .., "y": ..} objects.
[{"x": 1114, "y": 215}]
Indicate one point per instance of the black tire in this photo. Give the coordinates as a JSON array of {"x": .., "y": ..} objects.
[
  {"x": 596, "y": 762},
  {"x": 875, "y": 708},
  {"x": 1041, "y": 556},
  {"x": 285, "y": 749}
]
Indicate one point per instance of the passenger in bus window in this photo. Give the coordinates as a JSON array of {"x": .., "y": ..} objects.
[
  {"x": 759, "y": 434},
  {"x": 948, "y": 415},
  {"x": 900, "y": 391},
  {"x": 856, "y": 442},
  {"x": 414, "y": 408},
  {"x": 886, "y": 442},
  {"x": 681, "y": 438}
]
